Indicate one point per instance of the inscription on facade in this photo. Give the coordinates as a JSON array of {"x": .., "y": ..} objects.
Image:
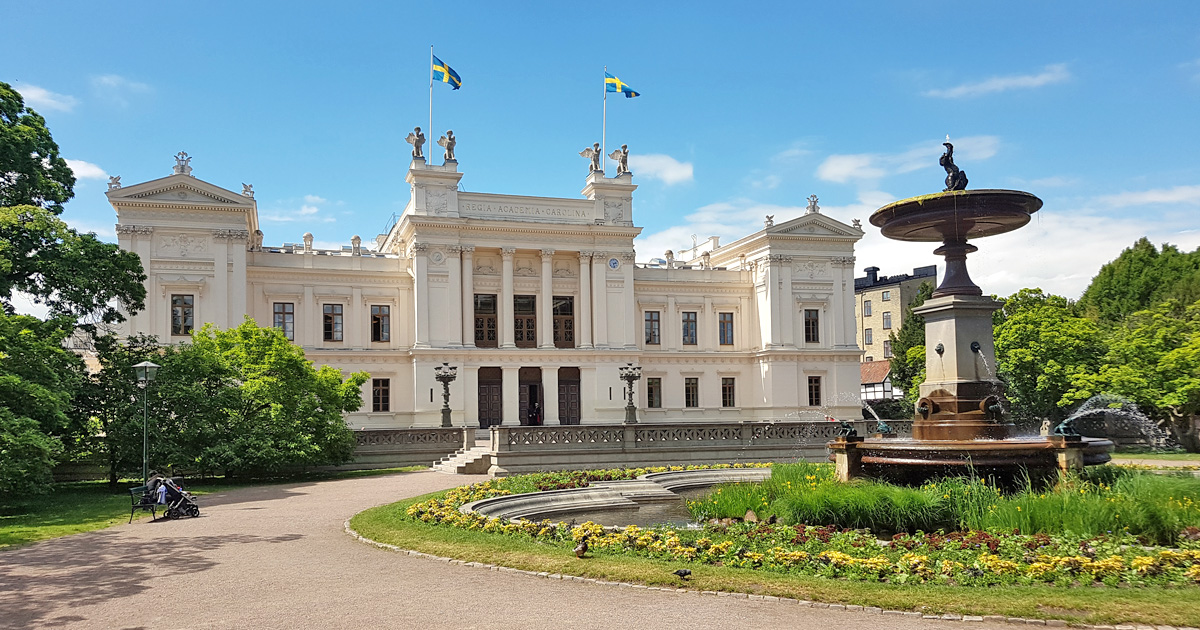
[{"x": 516, "y": 210}]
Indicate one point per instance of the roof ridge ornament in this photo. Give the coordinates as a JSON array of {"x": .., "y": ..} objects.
[
  {"x": 182, "y": 164},
  {"x": 812, "y": 208}
]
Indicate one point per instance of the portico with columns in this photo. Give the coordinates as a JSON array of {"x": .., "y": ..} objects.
[{"x": 537, "y": 300}]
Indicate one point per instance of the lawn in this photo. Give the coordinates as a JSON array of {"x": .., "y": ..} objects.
[
  {"x": 74, "y": 507},
  {"x": 1095, "y": 605},
  {"x": 1173, "y": 457}
]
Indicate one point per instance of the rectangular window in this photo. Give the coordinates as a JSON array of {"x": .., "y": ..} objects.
[
  {"x": 812, "y": 325},
  {"x": 814, "y": 391},
  {"x": 887, "y": 320},
  {"x": 285, "y": 319},
  {"x": 564, "y": 321},
  {"x": 525, "y": 320},
  {"x": 866, "y": 308},
  {"x": 869, "y": 358},
  {"x": 689, "y": 329},
  {"x": 381, "y": 323},
  {"x": 654, "y": 393},
  {"x": 381, "y": 394},
  {"x": 485, "y": 321},
  {"x": 333, "y": 322},
  {"x": 887, "y": 296},
  {"x": 691, "y": 392},
  {"x": 868, "y": 337},
  {"x": 725, "y": 328},
  {"x": 727, "y": 396},
  {"x": 887, "y": 349},
  {"x": 652, "y": 328},
  {"x": 182, "y": 314}
]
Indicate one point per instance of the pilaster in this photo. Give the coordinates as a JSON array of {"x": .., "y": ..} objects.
[
  {"x": 545, "y": 312},
  {"x": 550, "y": 387},
  {"x": 584, "y": 328},
  {"x": 454, "y": 281},
  {"x": 467, "y": 303},
  {"x": 600, "y": 299},
  {"x": 507, "y": 318},
  {"x": 630, "y": 310},
  {"x": 421, "y": 285}
]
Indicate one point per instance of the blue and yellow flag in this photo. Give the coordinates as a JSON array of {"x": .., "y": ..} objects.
[
  {"x": 613, "y": 84},
  {"x": 445, "y": 74}
]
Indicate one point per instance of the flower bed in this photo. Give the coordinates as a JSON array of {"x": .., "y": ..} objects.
[{"x": 977, "y": 558}]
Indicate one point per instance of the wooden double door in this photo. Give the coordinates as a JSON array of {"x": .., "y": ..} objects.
[
  {"x": 491, "y": 396},
  {"x": 530, "y": 390},
  {"x": 569, "y": 404}
]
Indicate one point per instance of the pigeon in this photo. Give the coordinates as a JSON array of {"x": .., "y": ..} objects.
[
  {"x": 581, "y": 548},
  {"x": 683, "y": 573}
]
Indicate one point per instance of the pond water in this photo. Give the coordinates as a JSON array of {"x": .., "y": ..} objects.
[{"x": 673, "y": 513}]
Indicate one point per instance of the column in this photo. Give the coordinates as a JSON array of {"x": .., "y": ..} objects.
[
  {"x": 742, "y": 340},
  {"x": 844, "y": 311},
  {"x": 471, "y": 395},
  {"x": 708, "y": 324},
  {"x": 507, "y": 322},
  {"x": 237, "y": 284},
  {"x": 584, "y": 329},
  {"x": 670, "y": 326},
  {"x": 467, "y": 307},
  {"x": 600, "y": 298},
  {"x": 550, "y": 386},
  {"x": 787, "y": 304},
  {"x": 218, "y": 309},
  {"x": 587, "y": 394},
  {"x": 357, "y": 323},
  {"x": 421, "y": 300},
  {"x": 510, "y": 391},
  {"x": 313, "y": 324},
  {"x": 627, "y": 266},
  {"x": 456, "y": 305},
  {"x": 545, "y": 304},
  {"x": 773, "y": 283}
]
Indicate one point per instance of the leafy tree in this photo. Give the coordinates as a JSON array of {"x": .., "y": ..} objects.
[
  {"x": 1043, "y": 352},
  {"x": 32, "y": 172},
  {"x": 1154, "y": 360},
  {"x": 908, "y": 346},
  {"x": 37, "y": 378},
  {"x": 1140, "y": 278}
]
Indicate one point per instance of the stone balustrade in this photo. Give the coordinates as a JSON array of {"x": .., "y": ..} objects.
[
  {"x": 519, "y": 449},
  {"x": 386, "y": 448}
]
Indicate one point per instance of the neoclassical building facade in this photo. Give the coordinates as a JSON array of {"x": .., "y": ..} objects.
[{"x": 535, "y": 300}]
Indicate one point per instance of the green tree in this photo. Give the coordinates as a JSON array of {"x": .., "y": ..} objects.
[
  {"x": 1044, "y": 352},
  {"x": 32, "y": 172},
  {"x": 1140, "y": 278},
  {"x": 908, "y": 346},
  {"x": 1154, "y": 360},
  {"x": 37, "y": 378}
]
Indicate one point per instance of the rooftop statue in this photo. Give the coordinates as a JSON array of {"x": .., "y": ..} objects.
[
  {"x": 417, "y": 139},
  {"x": 447, "y": 142},
  {"x": 621, "y": 156},
  {"x": 955, "y": 179},
  {"x": 593, "y": 153},
  {"x": 183, "y": 164}
]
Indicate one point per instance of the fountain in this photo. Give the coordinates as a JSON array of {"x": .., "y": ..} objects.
[{"x": 960, "y": 423}]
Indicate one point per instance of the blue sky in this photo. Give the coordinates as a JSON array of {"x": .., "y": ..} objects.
[{"x": 745, "y": 111}]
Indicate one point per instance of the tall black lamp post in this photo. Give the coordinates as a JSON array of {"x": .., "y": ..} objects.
[
  {"x": 145, "y": 371},
  {"x": 446, "y": 374},
  {"x": 629, "y": 374}
]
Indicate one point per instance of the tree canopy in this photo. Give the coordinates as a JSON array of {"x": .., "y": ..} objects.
[
  {"x": 1140, "y": 278},
  {"x": 32, "y": 172}
]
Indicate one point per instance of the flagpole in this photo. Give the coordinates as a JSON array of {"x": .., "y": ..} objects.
[
  {"x": 429, "y": 130},
  {"x": 604, "y": 123}
]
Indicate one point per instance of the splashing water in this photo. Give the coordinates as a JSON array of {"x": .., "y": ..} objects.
[{"x": 1127, "y": 415}]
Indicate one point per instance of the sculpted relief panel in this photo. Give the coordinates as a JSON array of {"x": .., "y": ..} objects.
[{"x": 183, "y": 245}]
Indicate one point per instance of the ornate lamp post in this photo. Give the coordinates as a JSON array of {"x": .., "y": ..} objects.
[
  {"x": 446, "y": 374},
  {"x": 145, "y": 371},
  {"x": 629, "y": 374}
]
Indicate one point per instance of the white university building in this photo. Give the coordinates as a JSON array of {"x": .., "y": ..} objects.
[{"x": 534, "y": 299}]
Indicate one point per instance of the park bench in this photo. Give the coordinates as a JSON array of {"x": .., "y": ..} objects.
[{"x": 140, "y": 499}]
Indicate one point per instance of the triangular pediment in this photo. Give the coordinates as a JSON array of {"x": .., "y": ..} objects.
[
  {"x": 180, "y": 189},
  {"x": 815, "y": 224}
]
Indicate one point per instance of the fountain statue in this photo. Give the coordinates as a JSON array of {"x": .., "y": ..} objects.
[{"x": 960, "y": 422}]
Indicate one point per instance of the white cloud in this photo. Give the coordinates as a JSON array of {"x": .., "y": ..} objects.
[
  {"x": 86, "y": 170},
  {"x": 783, "y": 166},
  {"x": 117, "y": 89},
  {"x": 307, "y": 210},
  {"x": 42, "y": 99},
  {"x": 871, "y": 167},
  {"x": 1179, "y": 195},
  {"x": 25, "y": 304},
  {"x": 1054, "y": 73},
  {"x": 313, "y": 199},
  {"x": 1192, "y": 67},
  {"x": 659, "y": 166}
]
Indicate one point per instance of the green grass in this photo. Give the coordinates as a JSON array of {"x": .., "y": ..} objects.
[
  {"x": 1174, "y": 457},
  {"x": 1155, "y": 507},
  {"x": 1095, "y": 605},
  {"x": 83, "y": 506}
]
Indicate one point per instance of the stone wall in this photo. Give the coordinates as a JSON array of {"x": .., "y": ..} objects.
[
  {"x": 519, "y": 449},
  {"x": 388, "y": 448}
]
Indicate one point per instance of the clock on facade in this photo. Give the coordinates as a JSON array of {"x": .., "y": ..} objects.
[{"x": 614, "y": 264}]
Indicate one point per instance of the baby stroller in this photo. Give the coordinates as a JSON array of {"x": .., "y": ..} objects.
[{"x": 179, "y": 502}]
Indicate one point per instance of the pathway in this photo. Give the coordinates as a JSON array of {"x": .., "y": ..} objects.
[{"x": 277, "y": 557}]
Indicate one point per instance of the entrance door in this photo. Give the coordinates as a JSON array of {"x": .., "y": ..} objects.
[
  {"x": 568, "y": 396},
  {"x": 530, "y": 387},
  {"x": 491, "y": 407}
]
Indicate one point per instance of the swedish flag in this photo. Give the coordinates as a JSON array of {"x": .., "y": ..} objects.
[
  {"x": 445, "y": 74},
  {"x": 613, "y": 84}
]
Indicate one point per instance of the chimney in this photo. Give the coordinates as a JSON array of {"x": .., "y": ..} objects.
[{"x": 872, "y": 274}]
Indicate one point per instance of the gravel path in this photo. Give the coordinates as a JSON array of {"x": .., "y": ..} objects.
[{"x": 277, "y": 557}]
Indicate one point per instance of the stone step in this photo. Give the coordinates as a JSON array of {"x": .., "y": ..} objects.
[{"x": 464, "y": 461}]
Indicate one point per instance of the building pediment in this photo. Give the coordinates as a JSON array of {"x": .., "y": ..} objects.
[
  {"x": 814, "y": 225},
  {"x": 180, "y": 189}
]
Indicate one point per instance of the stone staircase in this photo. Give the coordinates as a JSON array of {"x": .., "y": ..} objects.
[{"x": 473, "y": 461}]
